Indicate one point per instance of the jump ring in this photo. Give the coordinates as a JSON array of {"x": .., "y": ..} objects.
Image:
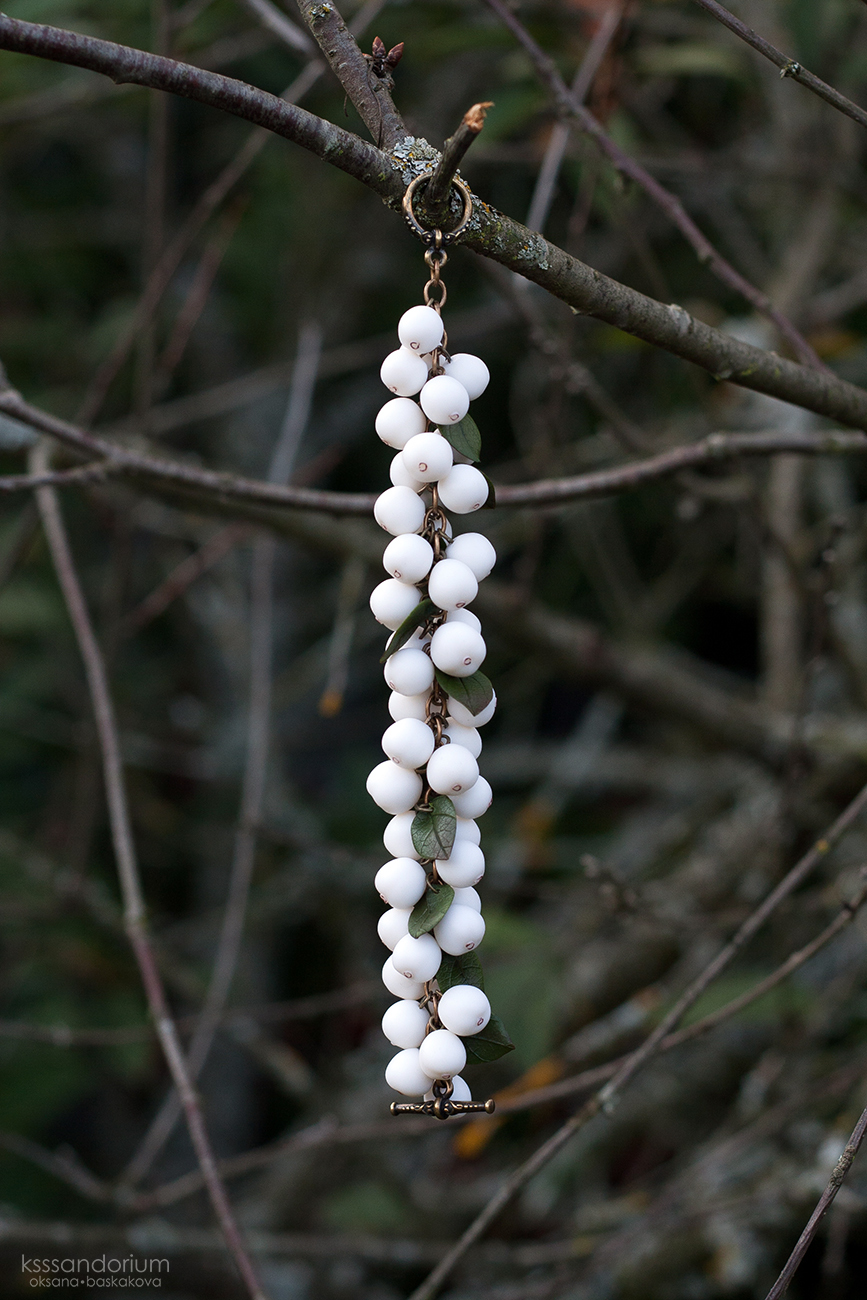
[{"x": 429, "y": 236}]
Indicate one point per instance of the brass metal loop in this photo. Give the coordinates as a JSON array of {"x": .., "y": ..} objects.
[{"x": 435, "y": 239}]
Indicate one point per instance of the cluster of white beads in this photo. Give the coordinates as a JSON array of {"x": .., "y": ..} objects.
[{"x": 430, "y": 1049}]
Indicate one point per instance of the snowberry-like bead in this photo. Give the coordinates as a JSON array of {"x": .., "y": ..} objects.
[
  {"x": 463, "y": 1009},
  {"x": 404, "y": 372},
  {"x": 409, "y": 671},
  {"x": 409, "y": 743},
  {"x": 428, "y": 457},
  {"x": 395, "y": 789},
  {"x": 461, "y": 930},
  {"x": 408, "y": 558},
  {"x": 457, "y": 649},
  {"x": 452, "y": 585},
  {"x": 466, "y": 736},
  {"x": 420, "y": 329},
  {"x": 465, "y": 865},
  {"x": 404, "y": 1023},
  {"x": 404, "y": 1074},
  {"x": 392, "y": 601},
  {"x": 400, "y": 477},
  {"x": 451, "y": 769},
  {"x": 467, "y": 617},
  {"x": 468, "y": 370},
  {"x": 465, "y": 829},
  {"x": 407, "y": 706},
  {"x": 464, "y": 718},
  {"x": 397, "y": 836},
  {"x": 398, "y": 421},
  {"x": 399, "y": 510},
  {"x": 476, "y": 552},
  {"x": 417, "y": 959},
  {"x": 474, "y": 803},
  {"x": 393, "y": 925},
  {"x": 444, "y": 400},
  {"x": 468, "y": 897},
  {"x": 442, "y": 1054},
  {"x": 400, "y": 883},
  {"x": 398, "y": 984},
  {"x": 464, "y": 490},
  {"x": 460, "y": 1090}
]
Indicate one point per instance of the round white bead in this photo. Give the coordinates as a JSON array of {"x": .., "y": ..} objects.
[
  {"x": 451, "y": 769},
  {"x": 404, "y": 1023},
  {"x": 474, "y": 803},
  {"x": 408, "y": 742},
  {"x": 417, "y": 959},
  {"x": 466, "y": 736},
  {"x": 408, "y": 558},
  {"x": 409, "y": 671},
  {"x": 460, "y": 1090},
  {"x": 466, "y": 829},
  {"x": 420, "y": 329},
  {"x": 444, "y": 400},
  {"x": 407, "y": 706},
  {"x": 442, "y": 1054},
  {"x": 476, "y": 552},
  {"x": 397, "y": 984},
  {"x": 403, "y": 372},
  {"x": 399, "y": 476},
  {"x": 398, "y": 421},
  {"x": 468, "y": 370},
  {"x": 428, "y": 457},
  {"x": 468, "y": 897},
  {"x": 452, "y": 585},
  {"x": 457, "y": 649},
  {"x": 464, "y": 490},
  {"x": 400, "y": 883},
  {"x": 464, "y": 866},
  {"x": 463, "y": 1009},
  {"x": 392, "y": 601},
  {"x": 397, "y": 836},
  {"x": 404, "y": 1074},
  {"x": 466, "y": 616},
  {"x": 464, "y": 718},
  {"x": 399, "y": 510},
  {"x": 395, "y": 789},
  {"x": 461, "y": 930},
  {"x": 393, "y": 925}
]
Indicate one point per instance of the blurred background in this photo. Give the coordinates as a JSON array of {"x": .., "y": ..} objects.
[{"x": 683, "y": 695}]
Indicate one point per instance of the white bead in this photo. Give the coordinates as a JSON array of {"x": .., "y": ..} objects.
[
  {"x": 404, "y": 372},
  {"x": 404, "y": 1023},
  {"x": 463, "y": 1009},
  {"x": 442, "y": 1054},
  {"x": 404, "y": 1074},
  {"x": 460, "y": 1090},
  {"x": 417, "y": 959},
  {"x": 397, "y": 836},
  {"x": 428, "y": 457},
  {"x": 395, "y": 789},
  {"x": 474, "y": 803},
  {"x": 466, "y": 829},
  {"x": 466, "y": 616},
  {"x": 407, "y": 706},
  {"x": 399, "y": 510},
  {"x": 444, "y": 400},
  {"x": 476, "y": 552},
  {"x": 409, "y": 671},
  {"x": 400, "y": 883},
  {"x": 464, "y": 490},
  {"x": 408, "y": 558},
  {"x": 464, "y": 866},
  {"x": 408, "y": 742},
  {"x": 398, "y": 421},
  {"x": 466, "y": 736},
  {"x": 457, "y": 649},
  {"x": 452, "y": 769},
  {"x": 392, "y": 601},
  {"x": 452, "y": 585},
  {"x": 462, "y": 715},
  {"x": 393, "y": 925},
  {"x": 461, "y": 930},
  {"x": 397, "y": 984},
  {"x": 468, "y": 897},
  {"x": 399, "y": 476},
  {"x": 468, "y": 370},
  {"x": 420, "y": 329}
]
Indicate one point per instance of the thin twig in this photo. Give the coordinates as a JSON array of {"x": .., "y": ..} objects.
[
  {"x": 438, "y": 188},
  {"x": 184, "y": 575},
  {"x": 282, "y": 26}
]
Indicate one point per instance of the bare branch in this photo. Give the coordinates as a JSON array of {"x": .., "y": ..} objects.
[
  {"x": 436, "y": 192},
  {"x": 282, "y": 26}
]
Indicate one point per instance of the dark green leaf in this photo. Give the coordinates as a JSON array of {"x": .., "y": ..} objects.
[
  {"x": 464, "y": 437},
  {"x": 417, "y": 618},
  {"x": 474, "y": 692},
  {"x": 430, "y": 909},
  {"x": 489, "y": 1044},
  {"x": 492, "y": 494},
  {"x": 433, "y": 833},
  {"x": 466, "y": 969}
]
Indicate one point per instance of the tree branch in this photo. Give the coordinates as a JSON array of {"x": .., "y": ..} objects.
[{"x": 438, "y": 188}]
